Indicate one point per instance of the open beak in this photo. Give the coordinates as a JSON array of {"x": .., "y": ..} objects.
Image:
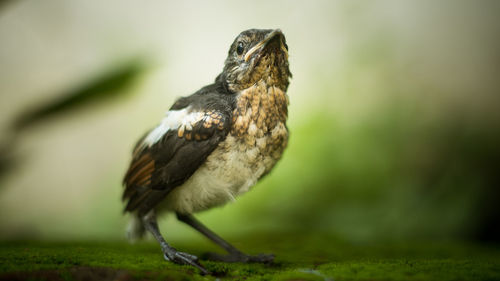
[{"x": 262, "y": 44}]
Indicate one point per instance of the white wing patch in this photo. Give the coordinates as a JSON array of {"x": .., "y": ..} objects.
[{"x": 172, "y": 120}]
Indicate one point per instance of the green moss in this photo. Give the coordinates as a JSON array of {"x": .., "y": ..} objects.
[{"x": 301, "y": 257}]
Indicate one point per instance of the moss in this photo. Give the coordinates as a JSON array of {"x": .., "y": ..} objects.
[{"x": 302, "y": 257}]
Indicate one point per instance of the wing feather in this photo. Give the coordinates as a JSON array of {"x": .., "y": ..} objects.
[{"x": 158, "y": 167}]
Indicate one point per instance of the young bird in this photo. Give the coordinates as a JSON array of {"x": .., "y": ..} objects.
[{"x": 213, "y": 145}]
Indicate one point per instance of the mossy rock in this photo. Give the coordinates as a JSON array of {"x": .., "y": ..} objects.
[{"x": 298, "y": 257}]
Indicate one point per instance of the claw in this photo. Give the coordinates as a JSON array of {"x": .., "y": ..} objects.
[{"x": 187, "y": 259}]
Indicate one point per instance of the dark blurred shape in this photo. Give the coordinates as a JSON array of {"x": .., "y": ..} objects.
[
  {"x": 4, "y": 3},
  {"x": 112, "y": 84},
  {"x": 7, "y": 160}
]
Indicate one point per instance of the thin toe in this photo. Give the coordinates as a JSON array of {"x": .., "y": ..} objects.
[{"x": 187, "y": 259}]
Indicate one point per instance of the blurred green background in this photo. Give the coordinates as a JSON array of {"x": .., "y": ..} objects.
[{"x": 394, "y": 115}]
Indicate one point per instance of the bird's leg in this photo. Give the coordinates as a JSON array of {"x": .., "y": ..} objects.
[
  {"x": 235, "y": 255},
  {"x": 169, "y": 252}
]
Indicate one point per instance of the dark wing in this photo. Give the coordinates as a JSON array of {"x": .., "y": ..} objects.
[{"x": 159, "y": 167}]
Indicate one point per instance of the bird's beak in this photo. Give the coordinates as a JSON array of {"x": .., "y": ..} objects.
[{"x": 262, "y": 44}]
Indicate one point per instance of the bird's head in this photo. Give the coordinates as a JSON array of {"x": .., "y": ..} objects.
[{"x": 257, "y": 54}]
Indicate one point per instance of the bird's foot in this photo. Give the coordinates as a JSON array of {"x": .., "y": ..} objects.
[
  {"x": 240, "y": 257},
  {"x": 184, "y": 258}
]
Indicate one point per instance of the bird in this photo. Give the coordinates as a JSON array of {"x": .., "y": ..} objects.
[{"x": 213, "y": 145}]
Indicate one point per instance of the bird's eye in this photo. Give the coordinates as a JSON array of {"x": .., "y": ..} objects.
[{"x": 239, "y": 48}]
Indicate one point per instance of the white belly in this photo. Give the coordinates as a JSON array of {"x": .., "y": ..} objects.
[{"x": 229, "y": 171}]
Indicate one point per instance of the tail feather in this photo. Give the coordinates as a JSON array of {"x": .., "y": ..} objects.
[{"x": 135, "y": 229}]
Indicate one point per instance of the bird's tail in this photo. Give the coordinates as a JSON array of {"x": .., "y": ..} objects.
[{"x": 135, "y": 229}]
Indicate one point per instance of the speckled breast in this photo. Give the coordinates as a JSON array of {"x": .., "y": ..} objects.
[
  {"x": 259, "y": 120},
  {"x": 257, "y": 138},
  {"x": 255, "y": 143}
]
